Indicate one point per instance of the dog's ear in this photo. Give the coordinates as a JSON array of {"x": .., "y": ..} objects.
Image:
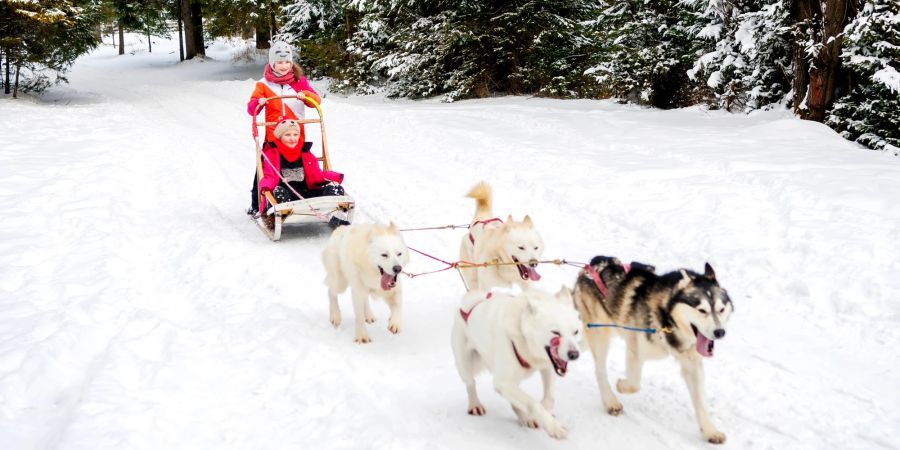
[
  {"x": 509, "y": 219},
  {"x": 685, "y": 279},
  {"x": 709, "y": 273},
  {"x": 527, "y": 221},
  {"x": 564, "y": 295}
]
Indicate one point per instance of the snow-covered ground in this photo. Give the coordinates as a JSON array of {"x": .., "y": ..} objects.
[{"x": 141, "y": 309}]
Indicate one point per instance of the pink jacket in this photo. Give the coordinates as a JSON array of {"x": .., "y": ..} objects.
[{"x": 314, "y": 176}]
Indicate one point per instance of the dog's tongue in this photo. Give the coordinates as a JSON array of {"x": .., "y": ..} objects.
[
  {"x": 704, "y": 345},
  {"x": 532, "y": 274},
  {"x": 388, "y": 281}
]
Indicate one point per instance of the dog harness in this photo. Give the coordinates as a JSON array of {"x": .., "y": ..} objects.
[
  {"x": 483, "y": 223},
  {"x": 522, "y": 361},
  {"x": 465, "y": 315},
  {"x": 595, "y": 276}
]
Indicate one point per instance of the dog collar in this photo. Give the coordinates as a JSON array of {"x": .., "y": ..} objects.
[
  {"x": 522, "y": 361},
  {"x": 483, "y": 223}
]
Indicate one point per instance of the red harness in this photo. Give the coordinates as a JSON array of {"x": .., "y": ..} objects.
[
  {"x": 465, "y": 315},
  {"x": 522, "y": 361},
  {"x": 483, "y": 223},
  {"x": 595, "y": 276}
]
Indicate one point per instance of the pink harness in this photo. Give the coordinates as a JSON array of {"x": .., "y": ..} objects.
[
  {"x": 465, "y": 315},
  {"x": 595, "y": 276},
  {"x": 483, "y": 223}
]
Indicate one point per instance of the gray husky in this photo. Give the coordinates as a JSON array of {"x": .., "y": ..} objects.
[{"x": 685, "y": 310}]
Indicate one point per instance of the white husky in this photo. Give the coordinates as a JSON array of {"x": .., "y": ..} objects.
[
  {"x": 490, "y": 239},
  {"x": 512, "y": 336},
  {"x": 368, "y": 258}
]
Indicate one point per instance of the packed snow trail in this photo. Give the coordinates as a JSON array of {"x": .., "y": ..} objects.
[{"x": 140, "y": 308}]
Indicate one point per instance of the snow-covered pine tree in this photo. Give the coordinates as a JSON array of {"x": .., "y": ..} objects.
[
  {"x": 468, "y": 48},
  {"x": 749, "y": 66},
  {"x": 869, "y": 112},
  {"x": 41, "y": 40},
  {"x": 645, "y": 49}
]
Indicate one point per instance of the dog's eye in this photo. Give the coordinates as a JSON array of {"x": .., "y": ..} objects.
[
  {"x": 384, "y": 255},
  {"x": 557, "y": 333},
  {"x": 521, "y": 247},
  {"x": 703, "y": 311},
  {"x": 721, "y": 310},
  {"x": 576, "y": 332},
  {"x": 535, "y": 247},
  {"x": 400, "y": 254}
]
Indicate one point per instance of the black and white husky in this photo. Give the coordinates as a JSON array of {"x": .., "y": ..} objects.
[{"x": 688, "y": 311}]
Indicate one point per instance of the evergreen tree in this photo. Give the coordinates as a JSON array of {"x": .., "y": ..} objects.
[
  {"x": 869, "y": 112},
  {"x": 41, "y": 39},
  {"x": 750, "y": 65},
  {"x": 645, "y": 49}
]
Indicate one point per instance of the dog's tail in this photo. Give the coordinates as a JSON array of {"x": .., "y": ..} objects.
[{"x": 482, "y": 195}]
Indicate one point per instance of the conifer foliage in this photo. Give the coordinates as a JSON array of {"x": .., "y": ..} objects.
[{"x": 869, "y": 112}]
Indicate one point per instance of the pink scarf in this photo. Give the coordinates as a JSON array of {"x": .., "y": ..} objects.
[{"x": 270, "y": 75}]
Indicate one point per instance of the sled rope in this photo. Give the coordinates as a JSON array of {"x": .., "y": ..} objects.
[
  {"x": 462, "y": 264},
  {"x": 435, "y": 228},
  {"x": 625, "y": 327}
]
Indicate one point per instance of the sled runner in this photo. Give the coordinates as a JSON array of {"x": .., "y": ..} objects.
[{"x": 335, "y": 210}]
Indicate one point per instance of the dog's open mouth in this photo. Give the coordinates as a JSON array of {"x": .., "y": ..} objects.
[
  {"x": 704, "y": 345},
  {"x": 388, "y": 281},
  {"x": 526, "y": 271},
  {"x": 559, "y": 365}
]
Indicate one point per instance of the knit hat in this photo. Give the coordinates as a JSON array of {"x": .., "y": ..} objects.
[
  {"x": 284, "y": 126},
  {"x": 280, "y": 51}
]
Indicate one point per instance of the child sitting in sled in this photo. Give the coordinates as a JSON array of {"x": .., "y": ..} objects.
[{"x": 298, "y": 167}]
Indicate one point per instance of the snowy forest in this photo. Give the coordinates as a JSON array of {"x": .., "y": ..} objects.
[
  {"x": 702, "y": 161},
  {"x": 832, "y": 61}
]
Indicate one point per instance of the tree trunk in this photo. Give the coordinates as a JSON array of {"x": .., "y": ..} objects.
[
  {"x": 121, "y": 38},
  {"x": 7, "y": 87},
  {"x": 263, "y": 38},
  {"x": 2, "y": 57},
  {"x": 180, "y": 40},
  {"x": 190, "y": 48},
  {"x": 197, "y": 18},
  {"x": 149, "y": 43},
  {"x": 16, "y": 89},
  {"x": 815, "y": 78}
]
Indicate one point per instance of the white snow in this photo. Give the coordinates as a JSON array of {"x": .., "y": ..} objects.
[{"x": 141, "y": 309}]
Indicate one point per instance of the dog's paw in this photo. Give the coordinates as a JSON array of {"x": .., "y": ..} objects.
[
  {"x": 614, "y": 410},
  {"x": 529, "y": 423},
  {"x": 715, "y": 437},
  {"x": 335, "y": 322},
  {"x": 370, "y": 319},
  {"x": 394, "y": 328},
  {"x": 362, "y": 339},
  {"x": 556, "y": 430},
  {"x": 477, "y": 410},
  {"x": 624, "y": 387}
]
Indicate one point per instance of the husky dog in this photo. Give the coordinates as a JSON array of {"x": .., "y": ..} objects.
[
  {"x": 688, "y": 310},
  {"x": 368, "y": 258},
  {"x": 512, "y": 336},
  {"x": 490, "y": 239}
]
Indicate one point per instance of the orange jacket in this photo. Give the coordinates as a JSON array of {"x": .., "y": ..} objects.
[{"x": 279, "y": 109}]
